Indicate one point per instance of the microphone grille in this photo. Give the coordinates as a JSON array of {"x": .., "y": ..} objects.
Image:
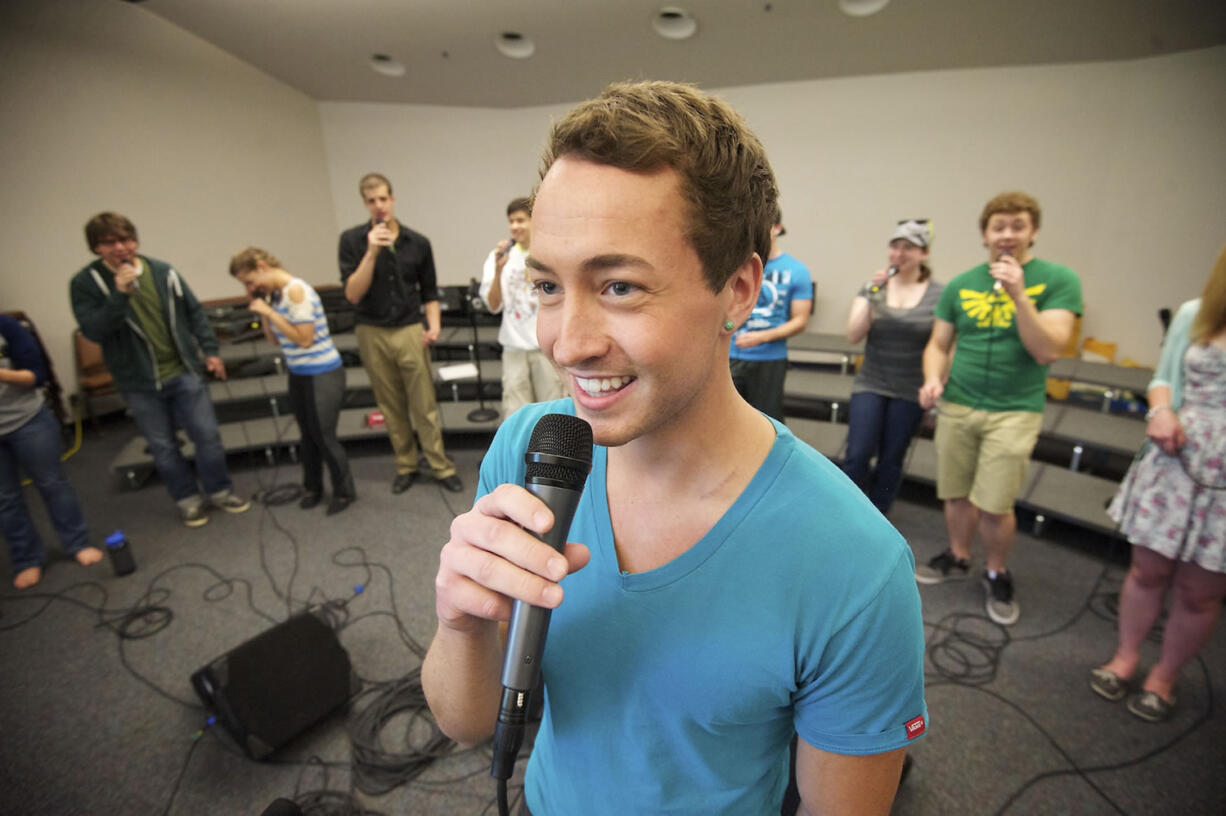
[{"x": 560, "y": 450}]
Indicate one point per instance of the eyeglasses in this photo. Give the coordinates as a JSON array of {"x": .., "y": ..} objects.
[{"x": 914, "y": 221}]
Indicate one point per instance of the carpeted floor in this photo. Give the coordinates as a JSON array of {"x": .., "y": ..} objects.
[{"x": 97, "y": 715}]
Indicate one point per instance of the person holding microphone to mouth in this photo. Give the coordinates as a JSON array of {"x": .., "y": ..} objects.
[
  {"x": 1011, "y": 317},
  {"x": 154, "y": 334},
  {"x": 894, "y": 311},
  {"x": 388, "y": 273},
  {"x": 506, "y": 288},
  {"x": 292, "y": 316}
]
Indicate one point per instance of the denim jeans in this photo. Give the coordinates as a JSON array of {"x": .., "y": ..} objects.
[
  {"x": 183, "y": 400},
  {"x": 35, "y": 449},
  {"x": 881, "y": 426}
]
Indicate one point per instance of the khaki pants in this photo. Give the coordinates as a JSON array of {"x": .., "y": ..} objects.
[
  {"x": 528, "y": 376},
  {"x": 399, "y": 367}
]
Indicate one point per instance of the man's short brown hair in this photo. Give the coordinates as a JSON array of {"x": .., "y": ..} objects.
[
  {"x": 521, "y": 204},
  {"x": 370, "y": 181},
  {"x": 1008, "y": 204},
  {"x": 108, "y": 225},
  {"x": 725, "y": 176}
]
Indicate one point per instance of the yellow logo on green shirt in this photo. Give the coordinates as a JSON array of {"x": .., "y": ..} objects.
[{"x": 993, "y": 308}]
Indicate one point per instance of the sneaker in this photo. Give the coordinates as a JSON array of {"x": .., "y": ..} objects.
[
  {"x": 944, "y": 567},
  {"x": 194, "y": 516},
  {"x": 1000, "y": 604},
  {"x": 231, "y": 503}
]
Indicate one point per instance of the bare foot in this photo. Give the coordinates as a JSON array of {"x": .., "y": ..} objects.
[
  {"x": 88, "y": 555},
  {"x": 28, "y": 577}
]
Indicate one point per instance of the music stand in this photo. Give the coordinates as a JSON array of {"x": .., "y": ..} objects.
[{"x": 473, "y": 296}]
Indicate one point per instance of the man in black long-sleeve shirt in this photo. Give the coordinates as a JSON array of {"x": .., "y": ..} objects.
[{"x": 388, "y": 273}]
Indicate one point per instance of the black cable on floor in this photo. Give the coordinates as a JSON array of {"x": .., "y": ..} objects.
[
  {"x": 378, "y": 768},
  {"x": 374, "y": 767},
  {"x": 174, "y": 792},
  {"x": 966, "y": 648}
]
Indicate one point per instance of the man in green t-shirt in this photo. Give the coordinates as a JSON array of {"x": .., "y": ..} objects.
[{"x": 1011, "y": 317}]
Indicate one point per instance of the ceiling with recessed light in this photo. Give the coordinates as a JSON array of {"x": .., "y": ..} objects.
[{"x": 450, "y": 48}]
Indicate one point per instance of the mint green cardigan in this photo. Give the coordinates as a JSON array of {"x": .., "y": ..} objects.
[{"x": 1174, "y": 347}]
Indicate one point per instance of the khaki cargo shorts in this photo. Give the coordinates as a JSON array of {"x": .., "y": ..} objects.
[{"x": 984, "y": 455}]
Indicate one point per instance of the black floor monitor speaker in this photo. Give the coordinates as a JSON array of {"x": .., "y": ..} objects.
[{"x": 276, "y": 685}]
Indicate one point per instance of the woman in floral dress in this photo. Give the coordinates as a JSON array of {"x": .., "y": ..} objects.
[{"x": 1172, "y": 508}]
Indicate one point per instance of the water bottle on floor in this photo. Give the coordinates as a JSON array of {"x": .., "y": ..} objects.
[{"x": 118, "y": 548}]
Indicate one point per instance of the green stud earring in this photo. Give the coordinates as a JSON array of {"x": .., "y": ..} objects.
[{"x": 728, "y": 325}]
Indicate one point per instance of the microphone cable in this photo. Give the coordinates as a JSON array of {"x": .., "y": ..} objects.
[{"x": 993, "y": 305}]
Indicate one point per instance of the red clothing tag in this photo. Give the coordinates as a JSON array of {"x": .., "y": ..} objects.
[{"x": 916, "y": 727}]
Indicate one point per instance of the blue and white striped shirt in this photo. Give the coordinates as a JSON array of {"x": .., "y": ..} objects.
[{"x": 321, "y": 355}]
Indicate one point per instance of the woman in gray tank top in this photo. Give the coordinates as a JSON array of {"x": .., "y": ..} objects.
[{"x": 894, "y": 312}]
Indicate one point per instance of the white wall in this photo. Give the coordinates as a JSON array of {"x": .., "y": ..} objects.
[
  {"x": 1125, "y": 159},
  {"x": 453, "y": 170},
  {"x": 108, "y": 107}
]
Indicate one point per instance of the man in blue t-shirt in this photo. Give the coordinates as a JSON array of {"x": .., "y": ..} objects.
[
  {"x": 759, "y": 349},
  {"x": 715, "y": 605}
]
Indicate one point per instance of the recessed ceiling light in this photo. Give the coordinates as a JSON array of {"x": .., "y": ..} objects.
[
  {"x": 862, "y": 8},
  {"x": 674, "y": 23},
  {"x": 515, "y": 45},
  {"x": 383, "y": 64}
]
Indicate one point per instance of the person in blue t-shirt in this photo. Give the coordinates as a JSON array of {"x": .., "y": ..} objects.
[
  {"x": 759, "y": 349},
  {"x": 709, "y": 604}
]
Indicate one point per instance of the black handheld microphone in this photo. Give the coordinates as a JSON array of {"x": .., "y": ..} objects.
[
  {"x": 559, "y": 458},
  {"x": 390, "y": 247},
  {"x": 891, "y": 272},
  {"x": 506, "y": 250}
]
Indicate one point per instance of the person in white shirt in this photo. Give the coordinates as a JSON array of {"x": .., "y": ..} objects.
[{"x": 506, "y": 288}]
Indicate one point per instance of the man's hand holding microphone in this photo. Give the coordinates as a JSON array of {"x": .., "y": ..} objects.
[
  {"x": 380, "y": 236},
  {"x": 127, "y": 277},
  {"x": 501, "y": 252},
  {"x": 1009, "y": 275}
]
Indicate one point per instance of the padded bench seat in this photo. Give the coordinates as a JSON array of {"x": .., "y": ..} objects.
[
  {"x": 269, "y": 434},
  {"x": 1079, "y": 498},
  {"x": 812, "y": 385}
]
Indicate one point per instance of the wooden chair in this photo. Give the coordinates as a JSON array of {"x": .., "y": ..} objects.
[
  {"x": 93, "y": 379},
  {"x": 1100, "y": 348}
]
